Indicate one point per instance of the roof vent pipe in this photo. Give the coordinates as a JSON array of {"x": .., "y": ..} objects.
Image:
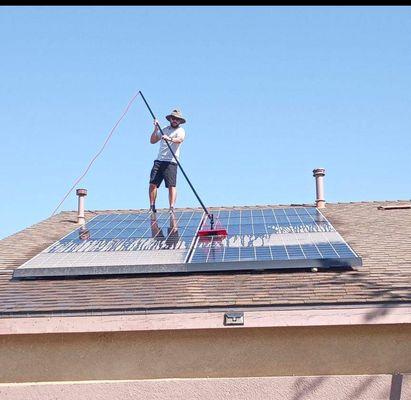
[
  {"x": 81, "y": 193},
  {"x": 319, "y": 173}
]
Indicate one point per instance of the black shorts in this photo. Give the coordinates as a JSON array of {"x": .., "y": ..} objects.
[{"x": 164, "y": 170}]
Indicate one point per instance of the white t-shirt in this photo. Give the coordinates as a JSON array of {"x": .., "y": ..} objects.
[{"x": 164, "y": 153}]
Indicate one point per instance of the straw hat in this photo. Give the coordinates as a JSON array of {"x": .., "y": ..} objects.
[{"x": 177, "y": 114}]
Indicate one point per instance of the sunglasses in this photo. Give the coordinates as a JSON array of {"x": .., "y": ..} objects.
[{"x": 175, "y": 119}]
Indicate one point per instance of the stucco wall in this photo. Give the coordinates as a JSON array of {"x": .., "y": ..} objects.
[
  {"x": 348, "y": 387},
  {"x": 302, "y": 351}
]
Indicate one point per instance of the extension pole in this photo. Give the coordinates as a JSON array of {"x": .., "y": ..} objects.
[{"x": 182, "y": 170}]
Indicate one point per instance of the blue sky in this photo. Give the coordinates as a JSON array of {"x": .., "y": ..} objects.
[{"x": 269, "y": 94}]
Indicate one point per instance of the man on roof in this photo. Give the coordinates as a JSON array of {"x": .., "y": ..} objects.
[{"x": 165, "y": 165}]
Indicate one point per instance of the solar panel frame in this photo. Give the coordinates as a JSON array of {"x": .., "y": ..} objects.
[{"x": 258, "y": 239}]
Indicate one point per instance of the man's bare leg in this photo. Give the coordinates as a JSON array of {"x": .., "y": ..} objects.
[
  {"x": 172, "y": 195},
  {"x": 152, "y": 193}
]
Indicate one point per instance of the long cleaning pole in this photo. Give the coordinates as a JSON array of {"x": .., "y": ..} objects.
[{"x": 210, "y": 216}]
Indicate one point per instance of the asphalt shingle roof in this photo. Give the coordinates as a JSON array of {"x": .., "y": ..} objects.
[{"x": 381, "y": 237}]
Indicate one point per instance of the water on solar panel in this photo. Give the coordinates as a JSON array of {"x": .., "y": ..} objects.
[{"x": 281, "y": 234}]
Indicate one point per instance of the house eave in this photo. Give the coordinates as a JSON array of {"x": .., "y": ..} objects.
[{"x": 210, "y": 319}]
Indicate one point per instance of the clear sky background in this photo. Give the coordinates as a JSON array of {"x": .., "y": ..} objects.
[{"x": 269, "y": 94}]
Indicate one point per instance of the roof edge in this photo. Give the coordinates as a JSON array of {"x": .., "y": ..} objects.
[{"x": 209, "y": 319}]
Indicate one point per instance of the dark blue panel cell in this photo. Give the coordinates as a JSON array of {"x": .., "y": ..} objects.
[
  {"x": 258, "y": 220},
  {"x": 215, "y": 254},
  {"x": 235, "y": 214},
  {"x": 143, "y": 231},
  {"x": 267, "y": 212},
  {"x": 123, "y": 225},
  {"x": 294, "y": 219},
  {"x": 233, "y": 229},
  {"x": 73, "y": 236},
  {"x": 113, "y": 233},
  {"x": 256, "y": 213},
  {"x": 260, "y": 229},
  {"x": 222, "y": 214},
  {"x": 301, "y": 211},
  {"x": 246, "y": 230},
  {"x": 232, "y": 254},
  {"x": 294, "y": 252},
  {"x": 182, "y": 216},
  {"x": 246, "y": 220},
  {"x": 279, "y": 212},
  {"x": 306, "y": 218},
  {"x": 123, "y": 233},
  {"x": 245, "y": 213},
  {"x": 312, "y": 211},
  {"x": 270, "y": 220},
  {"x": 310, "y": 251},
  {"x": 92, "y": 223},
  {"x": 282, "y": 220},
  {"x": 279, "y": 253},
  {"x": 234, "y": 221},
  {"x": 289, "y": 211},
  {"x": 326, "y": 250},
  {"x": 263, "y": 253},
  {"x": 100, "y": 234},
  {"x": 343, "y": 250},
  {"x": 99, "y": 217},
  {"x": 188, "y": 231},
  {"x": 101, "y": 225},
  {"x": 137, "y": 225},
  {"x": 319, "y": 218},
  {"x": 247, "y": 253},
  {"x": 137, "y": 217},
  {"x": 222, "y": 222},
  {"x": 114, "y": 217},
  {"x": 199, "y": 256}
]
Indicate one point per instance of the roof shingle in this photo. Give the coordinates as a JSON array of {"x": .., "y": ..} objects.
[{"x": 381, "y": 237}]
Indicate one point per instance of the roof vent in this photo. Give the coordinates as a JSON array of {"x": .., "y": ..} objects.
[
  {"x": 395, "y": 207},
  {"x": 319, "y": 173},
  {"x": 81, "y": 193}
]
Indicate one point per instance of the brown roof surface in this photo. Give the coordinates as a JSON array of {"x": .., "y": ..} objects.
[{"x": 381, "y": 237}]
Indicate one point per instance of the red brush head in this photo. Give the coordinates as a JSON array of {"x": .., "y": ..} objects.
[
  {"x": 213, "y": 232},
  {"x": 212, "y": 229}
]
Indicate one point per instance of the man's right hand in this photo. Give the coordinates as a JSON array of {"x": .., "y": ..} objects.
[{"x": 154, "y": 136}]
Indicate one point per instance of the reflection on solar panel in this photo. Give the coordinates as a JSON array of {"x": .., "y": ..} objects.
[{"x": 258, "y": 238}]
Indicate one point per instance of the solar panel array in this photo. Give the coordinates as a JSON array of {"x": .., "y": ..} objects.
[{"x": 258, "y": 238}]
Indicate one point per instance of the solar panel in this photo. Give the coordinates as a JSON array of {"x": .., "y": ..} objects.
[
  {"x": 258, "y": 238},
  {"x": 283, "y": 237},
  {"x": 119, "y": 243}
]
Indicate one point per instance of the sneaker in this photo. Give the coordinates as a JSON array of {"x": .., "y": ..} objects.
[
  {"x": 171, "y": 210},
  {"x": 153, "y": 209}
]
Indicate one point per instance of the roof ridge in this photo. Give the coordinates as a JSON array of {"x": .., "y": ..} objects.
[{"x": 241, "y": 206}]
